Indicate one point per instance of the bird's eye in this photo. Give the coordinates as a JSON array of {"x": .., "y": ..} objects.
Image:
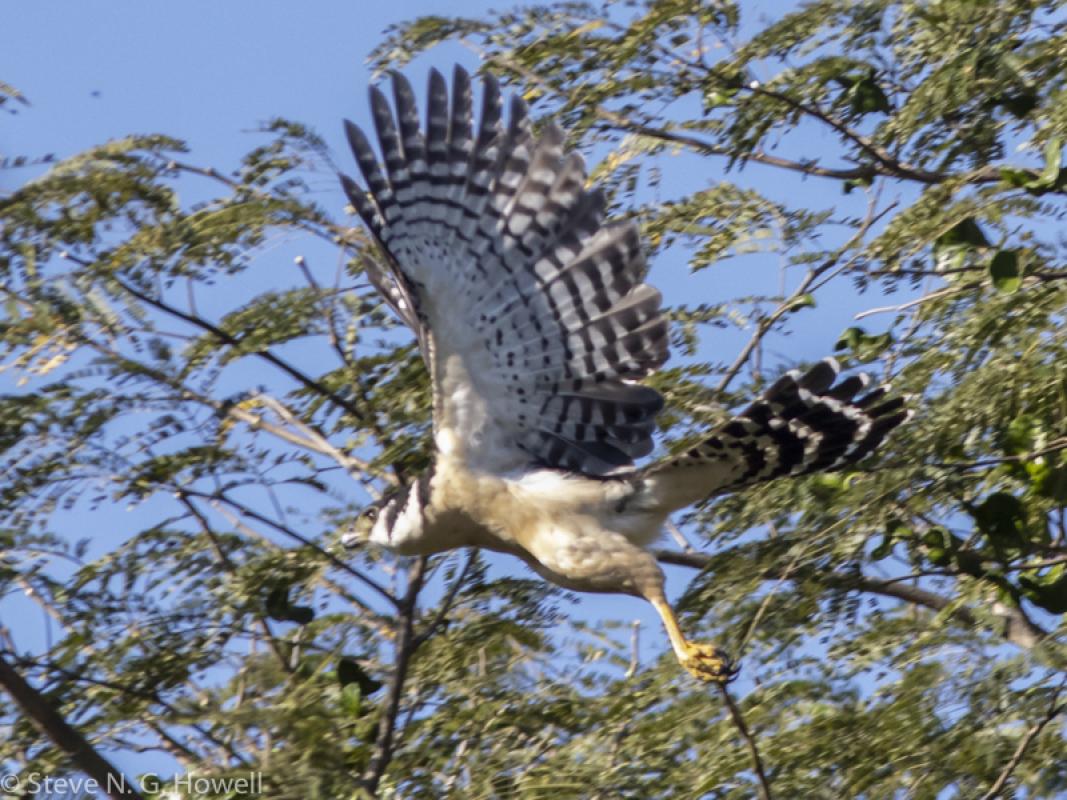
[{"x": 370, "y": 513}]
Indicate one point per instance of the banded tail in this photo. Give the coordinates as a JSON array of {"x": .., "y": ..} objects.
[{"x": 803, "y": 423}]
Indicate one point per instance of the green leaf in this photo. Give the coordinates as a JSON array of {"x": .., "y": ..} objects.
[
  {"x": 862, "y": 345},
  {"x": 859, "y": 182},
  {"x": 1048, "y": 481},
  {"x": 1018, "y": 104},
  {"x": 1019, "y": 178},
  {"x": 352, "y": 699},
  {"x": 965, "y": 232},
  {"x": 938, "y": 544},
  {"x": 1018, "y": 437},
  {"x": 802, "y": 301},
  {"x": 1004, "y": 271},
  {"x": 1053, "y": 163},
  {"x": 1050, "y": 178},
  {"x": 866, "y": 96},
  {"x": 952, "y": 247},
  {"x": 884, "y": 548},
  {"x": 863, "y": 94}
]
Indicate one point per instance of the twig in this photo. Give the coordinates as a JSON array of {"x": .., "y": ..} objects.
[
  {"x": 619, "y": 122},
  {"x": 316, "y": 441},
  {"x": 1053, "y": 447},
  {"x": 678, "y": 536},
  {"x": 446, "y": 603},
  {"x": 765, "y": 604},
  {"x": 739, "y": 723},
  {"x": 806, "y": 284},
  {"x": 635, "y": 648},
  {"x": 383, "y": 745},
  {"x": 221, "y": 497},
  {"x": 230, "y": 567},
  {"x": 926, "y": 298},
  {"x": 64, "y": 736},
  {"x": 1024, "y": 744},
  {"x": 1019, "y": 629},
  {"x": 328, "y": 311},
  {"x": 228, "y": 339}
]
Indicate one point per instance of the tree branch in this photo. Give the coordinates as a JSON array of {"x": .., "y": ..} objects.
[
  {"x": 52, "y": 724},
  {"x": 806, "y": 284},
  {"x": 446, "y": 603},
  {"x": 230, "y": 567},
  {"x": 229, "y": 339},
  {"x": 742, "y": 728},
  {"x": 1019, "y": 629},
  {"x": 1024, "y": 744},
  {"x": 222, "y": 498},
  {"x": 383, "y": 745}
]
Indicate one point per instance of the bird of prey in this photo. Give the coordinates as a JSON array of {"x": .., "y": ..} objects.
[{"x": 536, "y": 326}]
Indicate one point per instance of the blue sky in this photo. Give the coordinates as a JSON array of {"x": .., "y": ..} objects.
[{"x": 209, "y": 72}]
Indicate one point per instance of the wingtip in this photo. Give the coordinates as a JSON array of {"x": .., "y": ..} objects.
[
  {"x": 401, "y": 85},
  {"x": 435, "y": 78},
  {"x": 518, "y": 112},
  {"x": 377, "y": 98},
  {"x": 357, "y": 139},
  {"x": 350, "y": 186}
]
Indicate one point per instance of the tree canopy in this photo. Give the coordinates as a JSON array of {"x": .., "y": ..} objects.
[{"x": 886, "y": 174}]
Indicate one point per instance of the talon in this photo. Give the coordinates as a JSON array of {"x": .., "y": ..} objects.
[{"x": 708, "y": 663}]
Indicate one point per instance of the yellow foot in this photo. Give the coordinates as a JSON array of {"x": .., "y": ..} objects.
[{"x": 708, "y": 663}]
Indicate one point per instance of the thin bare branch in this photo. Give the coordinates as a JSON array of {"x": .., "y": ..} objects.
[
  {"x": 384, "y": 743},
  {"x": 228, "y": 339},
  {"x": 230, "y": 567},
  {"x": 1018, "y": 628},
  {"x": 635, "y": 649},
  {"x": 446, "y": 603},
  {"x": 738, "y": 718},
  {"x": 221, "y": 497},
  {"x": 317, "y": 441},
  {"x": 1054, "y": 710},
  {"x": 52, "y": 725},
  {"x": 926, "y": 298}
]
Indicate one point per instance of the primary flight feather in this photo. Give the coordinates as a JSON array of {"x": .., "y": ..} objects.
[{"x": 532, "y": 315}]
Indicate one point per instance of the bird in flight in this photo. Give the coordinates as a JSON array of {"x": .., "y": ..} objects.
[{"x": 531, "y": 313}]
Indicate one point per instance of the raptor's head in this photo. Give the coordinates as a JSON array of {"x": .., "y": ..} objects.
[
  {"x": 370, "y": 525},
  {"x": 390, "y": 522}
]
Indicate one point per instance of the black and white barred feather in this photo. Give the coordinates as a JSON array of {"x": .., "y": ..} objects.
[
  {"x": 499, "y": 254},
  {"x": 804, "y": 423}
]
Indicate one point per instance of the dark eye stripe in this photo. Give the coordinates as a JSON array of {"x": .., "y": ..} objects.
[
  {"x": 416, "y": 494},
  {"x": 392, "y": 509}
]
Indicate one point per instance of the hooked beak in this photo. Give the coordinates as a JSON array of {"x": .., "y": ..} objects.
[{"x": 357, "y": 536}]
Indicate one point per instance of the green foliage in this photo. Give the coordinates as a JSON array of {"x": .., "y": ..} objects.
[{"x": 901, "y": 624}]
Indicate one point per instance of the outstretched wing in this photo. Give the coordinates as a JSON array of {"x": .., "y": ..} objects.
[
  {"x": 803, "y": 423},
  {"x": 532, "y": 307}
]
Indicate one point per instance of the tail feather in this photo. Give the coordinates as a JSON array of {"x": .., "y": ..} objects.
[{"x": 803, "y": 423}]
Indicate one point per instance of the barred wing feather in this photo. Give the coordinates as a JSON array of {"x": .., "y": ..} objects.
[{"x": 537, "y": 320}]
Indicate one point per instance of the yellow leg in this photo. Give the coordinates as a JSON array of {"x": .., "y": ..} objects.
[{"x": 703, "y": 661}]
